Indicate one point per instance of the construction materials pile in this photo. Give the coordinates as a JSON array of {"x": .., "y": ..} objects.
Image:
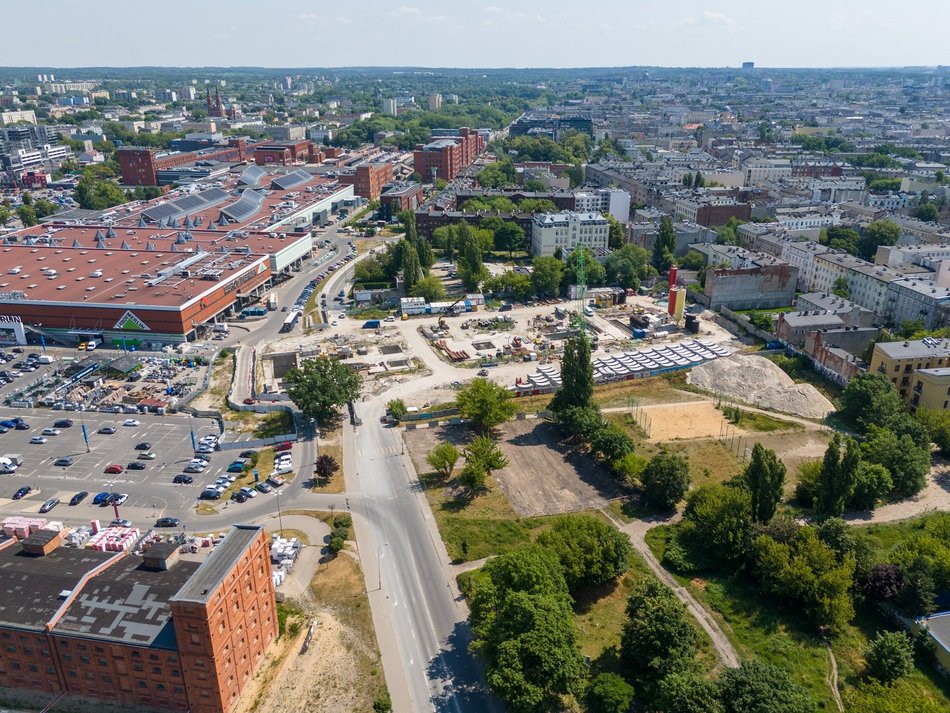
[{"x": 757, "y": 381}]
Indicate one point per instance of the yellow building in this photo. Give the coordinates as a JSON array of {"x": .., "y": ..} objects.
[
  {"x": 899, "y": 361},
  {"x": 931, "y": 389}
]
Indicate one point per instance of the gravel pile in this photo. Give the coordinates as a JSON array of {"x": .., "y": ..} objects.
[{"x": 756, "y": 380}]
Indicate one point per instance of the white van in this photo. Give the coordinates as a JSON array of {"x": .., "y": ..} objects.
[{"x": 91, "y": 344}]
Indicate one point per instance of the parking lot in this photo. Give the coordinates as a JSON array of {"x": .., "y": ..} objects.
[{"x": 151, "y": 491}]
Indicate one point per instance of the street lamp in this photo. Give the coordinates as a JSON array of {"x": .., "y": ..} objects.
[{"x": 280, "y": 517}]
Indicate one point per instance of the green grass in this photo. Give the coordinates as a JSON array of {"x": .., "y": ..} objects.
[
  {"x": 276, "y": 423},
  {"x": 752, "y": 421}
]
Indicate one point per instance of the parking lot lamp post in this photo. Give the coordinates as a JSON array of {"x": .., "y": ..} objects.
[{"x": 280, "y": 517}]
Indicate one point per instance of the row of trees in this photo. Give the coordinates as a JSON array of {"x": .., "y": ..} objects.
[{"x": 863, "y": 244}]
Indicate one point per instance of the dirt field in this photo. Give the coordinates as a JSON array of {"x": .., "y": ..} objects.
[{"x": 698, "y": 419}]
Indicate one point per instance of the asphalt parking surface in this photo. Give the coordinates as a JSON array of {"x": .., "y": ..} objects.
[{"x": 151, "y": 491}]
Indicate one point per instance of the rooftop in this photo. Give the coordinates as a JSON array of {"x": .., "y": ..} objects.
[
  {"x": 913, "y": 349},
  {"x": 210, "y": 574},
  {"x": 938, "y": 372},
  {"x": 128, "y": 603}
]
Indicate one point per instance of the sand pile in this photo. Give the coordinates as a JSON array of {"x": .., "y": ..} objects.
[{"x": 758, "y": 381}]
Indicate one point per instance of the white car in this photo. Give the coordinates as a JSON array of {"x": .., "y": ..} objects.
[
  {"x": 38, "y": 440},
  {"x": 51, "y": 431},
  {"x": 131, "y": 422},
  {"x": 249, "y": 492}
]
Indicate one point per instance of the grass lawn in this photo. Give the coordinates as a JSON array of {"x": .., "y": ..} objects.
[
  {"x": 752, "y": 421},
  {"x": 477, "y": 527},
  {"x": 774, "y": 632},
  {"x": 275, "y": 423},
  {"x": 299, "y": 534},
  {"x": 336, "y": 483}
]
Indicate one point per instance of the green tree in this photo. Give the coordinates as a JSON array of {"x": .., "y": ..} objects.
[
  {"x": 582, "y": 422},
  {"x": 397, "y": 408},
  {"x": 5, "y": 215},
  {"x": 615, "y": 236},
  {"x": 94, "y": 193},
  {"x": 657, "y": 637},
  {"x": 320, "y": 386},
  {"x": 627, "y": 266},
  {"x": 594, "y": 273},
  {"x": 325, "y": 466},
  {"x": 907, "y": 463},
  {"x": 591, "y": 551},
  {"x": 890, "y": 656},
  {"x": 546, "y": 275},
  {"x": 26, "y": 198},
  {"x": 611, "y": 443},
  {"x": 482, "y": 453},
  {"x": 838, "y": 237},
  {"x": 425, "y": 253},
  {"x": 27, "y": 215},
  {"x": 698, "y": 180},
  {"x": 880, "y": 232},
  {"x": 719, "y": 519},
  {"x": 764, "y": 478},
  {"x": 510, "y": 237},
  {"x": 664, "y": 245},
  {"x": 938, "y": 425},
  {"x": 871, "y": 399},
  {"x": 430, "y": 288},
  {"x": 609, "y": 693},
  {"x": 757, "y": 687},
  {"x": 840, "y": 288},
  {"x": 687, "y": 692},
  {"x": 665, "y": 480},
  {"x": 473, "y": 476},
  {"x": 443, "y": 458},
  {"x": 873, "y": 483},
  {"x": 499, "y": 174},
  {"x": 411, "y": 268},
  {"x": 928, "y": 212},
  {"x": 838, "y": 476},
  {"x": 44, "y": 208},
  {"x": 577, "y": 376},
  {"x": 471, "y": 270},
  {"x": 485, "y": 404}
]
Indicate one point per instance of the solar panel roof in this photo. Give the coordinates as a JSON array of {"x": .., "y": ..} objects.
[
  {"x": 291, "y": 180},
  {"x": 180, "y": 207},
  {"x": 247, "y": 205},
  {"x": 251, "y": 176}
]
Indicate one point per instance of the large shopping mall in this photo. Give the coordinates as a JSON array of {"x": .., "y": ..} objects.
[{"x": 157, "y": 272}]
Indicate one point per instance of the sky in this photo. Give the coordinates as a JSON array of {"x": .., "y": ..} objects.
[{"x": 491, "y": 33}]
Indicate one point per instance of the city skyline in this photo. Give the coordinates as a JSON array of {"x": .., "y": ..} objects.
[{"x": 528, "y": 33}]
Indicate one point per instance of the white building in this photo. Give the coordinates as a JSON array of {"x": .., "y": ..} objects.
[
  {"x": 435, "y": 102},
  {"x": 389, "y": 107},
  {"x": 760, "y": 171},
  {"x": 567, "y": 230},
  {"x": 806, "y": 218},
  {"x": 614, "y": 201},
  {"x": 801, "y": 254}
]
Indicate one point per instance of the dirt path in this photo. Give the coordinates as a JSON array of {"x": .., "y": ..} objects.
[
  {"x": 833, "y": 679},
  {"x": 933, "y": 498},
  {"x": 637, "y": 531}
]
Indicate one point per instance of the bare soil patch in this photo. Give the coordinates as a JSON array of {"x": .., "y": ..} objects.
[{"x": 698, "y": 419}]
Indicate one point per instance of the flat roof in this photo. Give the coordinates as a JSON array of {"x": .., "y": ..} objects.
[
  {"x": 810, "y": 319},
  {"x": 128, "y": 603},
  {"x": 939, "y": 627},
  {"x": 936, "y": 372},
  {"x": 213, "y": 570},
  {"x": 914, "y": 349},
  {"x": 31, "y": 585}
]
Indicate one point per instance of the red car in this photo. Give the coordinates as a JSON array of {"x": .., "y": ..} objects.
[
  {"x": 114, "y": 469},
  {"x": 285, "y": 446}
]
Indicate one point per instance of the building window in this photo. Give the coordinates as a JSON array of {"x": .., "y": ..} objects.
[
  {"x": 71, "y": 673},
  {"x": 143, "y": 684}
]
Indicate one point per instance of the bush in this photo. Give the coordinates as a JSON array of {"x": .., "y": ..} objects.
[
  {"x": 608, "y": 693},
  {"x": 890, "y": 656},
  {"x": 344, "y": 522},
  {"x": 382, "y": 704},
  {"x": 665, "y": 480}
]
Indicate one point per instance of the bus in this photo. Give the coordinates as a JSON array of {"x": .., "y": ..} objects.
[{"x": 291, "y": 321}]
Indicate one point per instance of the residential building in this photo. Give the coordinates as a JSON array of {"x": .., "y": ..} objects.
[
  {"x": 446, "y": 157},
  {"x": 793, "y": 326},
  {"x": 931, "y": 389},
  {"x": 759, "y": 287},
  {"x": 898, "y": 361},
  {"x": 851, "y": 313},
  {"x": 811, "y": 218},
  {"x": 762, "y": 171},
  {"x": 567, "y": 230},
  {"x": 918, "y": 299},
  {"x": 711, "y": 210},
  {"x": 435, "y": 102},
  {"x": 400, "y": 196},
  {"x": 16, "y": 117},
  {"x": 389, "y": 107},
  {"x": 614, "y": 201},
  {"x": 150, "y": 632},
  {"x": 138, "y": 165},
  {"x": 839, "y": 365},
  {"x": 801, "y": 254},
  {"x": 288, "y": 132}
]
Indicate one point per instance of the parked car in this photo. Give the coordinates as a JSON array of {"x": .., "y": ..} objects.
[
  {"x": 148, "y": 455},
  {"x": 248, "y": 454},
  {"x": 38, "y": 440},
  {"x": 192, "y": 468},
  {"x": 167, "y": 522},
  {"x": 63, "y": 462},
  {"x": 118, "y": 498},
  {"x": 50, "y": 431},
  {"x": 22, "y": 426},
  {"x": 132, "y": 422},
  {"x": 49, "y": 505},
  {"x": 143, "y": 446},
  {"x": 22, "y": 492},
  {"x": 285, "y": 446},
  {"x": 183, "y": 479},
  {"x": 263, "y": 488},
  {"x": 249, "y": 492},
  {"x": 236, "y": 467},
  {"x": 63, "y": 423},
  {"x": 101, "y": 498},
  {"x": 78, "y": 497},
  {"x": 136, "y": 465},
  {"x": 114, "y": 469},
  {"x": 239, "y": 496},
  {"x": 209, "y": 494},
  {"x": 120, "y": 522},
  {"x": 106, "y": 430}
]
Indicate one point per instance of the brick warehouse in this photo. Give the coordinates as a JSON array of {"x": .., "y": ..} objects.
[
  {"x": 139, "y": 632},
  {"x": 368, "y": 179},
  {"x": 139, "y": 165}
]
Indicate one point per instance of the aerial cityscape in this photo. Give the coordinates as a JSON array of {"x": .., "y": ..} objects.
[{"x": 398, "y": 361}]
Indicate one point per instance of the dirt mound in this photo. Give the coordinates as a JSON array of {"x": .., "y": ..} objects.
[{"x": 758, "y": 381}]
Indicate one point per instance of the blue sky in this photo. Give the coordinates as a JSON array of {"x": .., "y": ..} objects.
[{"x": 494, "y": 33}]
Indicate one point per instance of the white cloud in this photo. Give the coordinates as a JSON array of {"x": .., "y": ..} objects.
[
  {"x": 406, "y": 11},
  {"x": 343, "y": 20},
  {"x": 494, "y": 9},
  {"x": 308, "y": 18},
  {"x": 717, "y": 18}
]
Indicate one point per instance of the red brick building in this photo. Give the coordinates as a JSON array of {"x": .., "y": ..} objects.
[
  {"x": 137, "y": 632},
  {"x": 447, "y": 156},
  {"x": 284, "y": 154},
  {"x": 139, "y": 165},
  {"x": 368, "y": 179},
  {"x": 398, "y": 197}
]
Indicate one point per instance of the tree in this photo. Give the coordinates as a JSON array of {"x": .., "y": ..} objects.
[
  {"x": 473, "y": 476},
  {"x": 840, "y": 288},
  {"x": 26, "y": 198},
  {"x": 577, "y": 376},
  {"x": 326, "y": 466},
  {"x": 757, "y": 687},
  {"x": 698, "y": 180},
  {"x": 873, "y": 483},
  {"x": 719, "y": 518},
  {"x": 95, "y": 193},
  {"x": 44, "y": 208},
  {"x": 880, "y": 232},
  {"x": 27, "y": 215},
  {"x": 510, "y": 236},
  {"x": 609, "y": 693},
  {"x": 320, "y": 386},
  {"x": 397, "y": 408},
  {"x": 594, "y": 273},
  {"x": 483, "y": 451},
  {"x": 425, "y": 253},
  {"x": 5, "y": 215},
  {"x": 928, "y": 212},
  {"x": 838, "y": 237},
  {"x": 627, "y": 266},
  {"x": 938, "y": 426},
  {"x": 870, "y": 399},
  {"x": 687, "y": 692},
  {"x": 471, "y": 270},
  {"x": 443, "y": 458},
  {"x": 611, "y": 443},
  {"x": 591, "y": 551},
  {"x": 907, "y": 463},
  {"x": 575, "y": 174},
  {"x": 765, "y": 479},
  {"x": 582, "y": 422},
  {"x": 664, "y": 245},
  {"x": 657, "y": 637},
  {"x": 890, "y": 656},
  {"x": 615, "y": 236},
  {"x": 383, "y": 704},
  {"x": 838, "y": 477},
  {"x": 411, "y": 268},
  {"x": 546, "y": 275},
  {"x": 665, "y": 480},
  {"x": 485, "y": 404},
  {"x": 430, "y": 288}
]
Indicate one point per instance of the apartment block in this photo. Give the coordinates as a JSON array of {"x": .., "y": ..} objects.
[
  {"x": 899, "y": 361},
  {"x": 368, "y": 179},
  {"x": 568, "y": 230},
  {"x": 447, "y": 156}
]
